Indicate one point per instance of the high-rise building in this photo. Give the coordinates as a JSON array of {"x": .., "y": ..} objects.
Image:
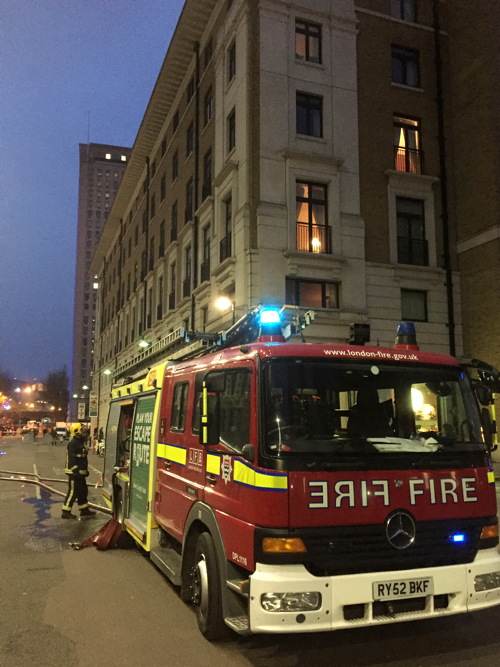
[
  {"x": 311, "y": 154},
  {"x": 101, "y": 170}
]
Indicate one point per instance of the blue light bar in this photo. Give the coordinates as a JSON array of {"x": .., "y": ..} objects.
[
  {"x": 269, "y": 316},
  {"x": 458, "y": 537}
]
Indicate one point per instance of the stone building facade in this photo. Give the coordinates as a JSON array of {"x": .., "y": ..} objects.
[{"x": 313, "y": 155}]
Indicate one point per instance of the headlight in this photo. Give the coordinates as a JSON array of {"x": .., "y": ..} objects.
[
  {"x": 485, "y": 582},
  {"x": 291, "y": 601}
]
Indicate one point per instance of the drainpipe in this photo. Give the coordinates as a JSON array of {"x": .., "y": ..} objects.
[
  {"x": 444, "y": 180},
  {"x": 145, "y": 283},
  {"x": 196, "y": 181}
]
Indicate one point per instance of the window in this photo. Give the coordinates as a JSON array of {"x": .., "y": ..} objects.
[
  {"x": 234, "y": 410},
  {"x": 175, "y": 120},
  {"x": 225, "y": 244},
  {"x": 406, "y": 10},
  {"x": 207, "y": 106},
  {"x": 173, "y": 286},
  {"x": 313, "y": 233},
  {"x": 407, "y": 153},
  {"x": 312, "y": 294},
  {"x": 161, "y": 245},
  {"x": 190, "y": 89},
  {"x": 307, "y": 41},
  {"x": 231, "y": 62},
  {"x": 179, "y": 407},
  {"x": 159, "y": 299},
  {"x": 189, "y": 140},
  {"x": 186, "y": 286},
  {"x": 173, "y": 228},
  {"x": 163, "y": 146},
  {"x": 414, "y": 305},
  {"x": 205, "y": 263},
  {"x": 151, "y": 253},
  {"x": 188, "y": 213},
  {"x": 405, "y": 66},
  {"x": 175, "y": 165},
  {"x": 309, "y": 115},
  {"x": 412, "y": 245},
  {"x": 207, "y": 53},
  {"x": 231, "y": 131},
  {"x": 206, "y": 190},
  {"x": 153, "y": 206},
  {"x": 163, "y": 187}
]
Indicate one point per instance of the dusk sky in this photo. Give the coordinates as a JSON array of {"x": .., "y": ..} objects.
[{"x": 72, "y": 71}]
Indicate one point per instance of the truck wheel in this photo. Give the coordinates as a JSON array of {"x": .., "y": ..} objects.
[{"x": 205, "y": 590}]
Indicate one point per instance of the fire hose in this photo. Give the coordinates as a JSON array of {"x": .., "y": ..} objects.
[
  {"x": 38, "y": 480},
  {"x": 106, "y": 537}
]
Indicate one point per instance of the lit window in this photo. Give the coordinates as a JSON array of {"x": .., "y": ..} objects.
[
  {"x": 313, "y": 232},
  {"x": 308, "y": 41},
  {"x": 108, "y": 156},
  {"x": 123, "y": 158},
  {"x": 407, "y": 153}
]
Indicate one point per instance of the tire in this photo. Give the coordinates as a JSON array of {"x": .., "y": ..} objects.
[{"x": 205, "y": 584}]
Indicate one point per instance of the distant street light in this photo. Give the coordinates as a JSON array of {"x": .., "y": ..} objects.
[{"x": 144, "y": 343}]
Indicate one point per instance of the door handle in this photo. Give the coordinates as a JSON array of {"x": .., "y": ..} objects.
[
  {"x": 212, "y": 479},
  {"x": 167, "y": 464}
]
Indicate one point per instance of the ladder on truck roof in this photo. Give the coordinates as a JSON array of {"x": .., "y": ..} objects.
[{"x": 181, "y": 345}]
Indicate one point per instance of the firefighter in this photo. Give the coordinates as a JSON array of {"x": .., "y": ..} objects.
[{"x": 77, "y": 471}]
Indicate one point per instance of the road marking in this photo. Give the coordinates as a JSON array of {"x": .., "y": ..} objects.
[
  {"x": 37, "y": 488},
  {"x": 99, "y": 472}
]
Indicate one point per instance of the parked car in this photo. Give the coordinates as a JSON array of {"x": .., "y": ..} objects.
[{"x": 62, "y": 432}]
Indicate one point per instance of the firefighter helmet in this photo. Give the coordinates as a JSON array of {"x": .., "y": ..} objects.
[{"x": 75, "y": 429}]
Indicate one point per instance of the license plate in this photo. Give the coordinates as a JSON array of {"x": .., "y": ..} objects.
[{"x": 404, "y": 588}]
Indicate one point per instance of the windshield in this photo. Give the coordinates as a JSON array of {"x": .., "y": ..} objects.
[{"x": 338, "y": 410}]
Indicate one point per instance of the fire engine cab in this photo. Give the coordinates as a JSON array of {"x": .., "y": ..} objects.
[{"x": 296, "y": 487}]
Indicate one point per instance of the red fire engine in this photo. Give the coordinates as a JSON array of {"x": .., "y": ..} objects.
[{"x": 296, "y": 487}]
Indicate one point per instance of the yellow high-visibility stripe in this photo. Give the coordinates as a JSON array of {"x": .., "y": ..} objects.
[
  {"x": 245, "y": 474},
  {"x": 491, "y": 477},
  {"x": 213, "y": 464},
  {"x": 172, "y": 453}
]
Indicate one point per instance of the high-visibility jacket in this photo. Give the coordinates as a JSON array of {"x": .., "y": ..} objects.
[{"x": 76, "y": 457}]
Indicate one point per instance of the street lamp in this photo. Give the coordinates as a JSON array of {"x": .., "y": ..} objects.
[
  {"x": 143, "y": 343},
  {"x": 224, "y": 303}
]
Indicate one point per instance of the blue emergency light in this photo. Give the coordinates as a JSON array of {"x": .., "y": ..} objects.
[
  {"x": 270, "y": 326},
  {"x": 458, "y": 538},
  {"x": 406, "y": 336},
  {"x": 269, "y": 316}
]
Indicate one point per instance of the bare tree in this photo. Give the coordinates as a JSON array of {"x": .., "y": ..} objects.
[{"x": 56, "y": 388}]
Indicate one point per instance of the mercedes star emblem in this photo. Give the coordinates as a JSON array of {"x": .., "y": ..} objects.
[{"x": 400, "y": 530}]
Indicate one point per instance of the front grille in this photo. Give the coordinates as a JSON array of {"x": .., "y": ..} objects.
[
  {"x": 393, "y": 608},
  {"x": 354, "y": 549}
]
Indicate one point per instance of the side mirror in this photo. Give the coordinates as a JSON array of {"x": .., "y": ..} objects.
[
  {"x": 248, "y": 453},
  {"x": 489, "y": 428},
  {"x": 483, "y": 393}
]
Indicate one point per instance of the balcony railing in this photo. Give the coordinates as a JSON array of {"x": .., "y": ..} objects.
[
  {"x": 205, "y": 271},
  {"x": 314, "y": 238},
  {"x": 413, "y": 251},
  {"x": 408, "y": 159},
  {"x": 225, "y": 247}
]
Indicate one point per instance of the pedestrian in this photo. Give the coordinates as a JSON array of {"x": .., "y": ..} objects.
[
  {"x": 54, "y": 436},
  {"x": 77, "y": 471}
]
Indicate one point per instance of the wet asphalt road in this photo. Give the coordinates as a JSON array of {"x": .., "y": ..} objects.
[{"x": 60, "y": 607}]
